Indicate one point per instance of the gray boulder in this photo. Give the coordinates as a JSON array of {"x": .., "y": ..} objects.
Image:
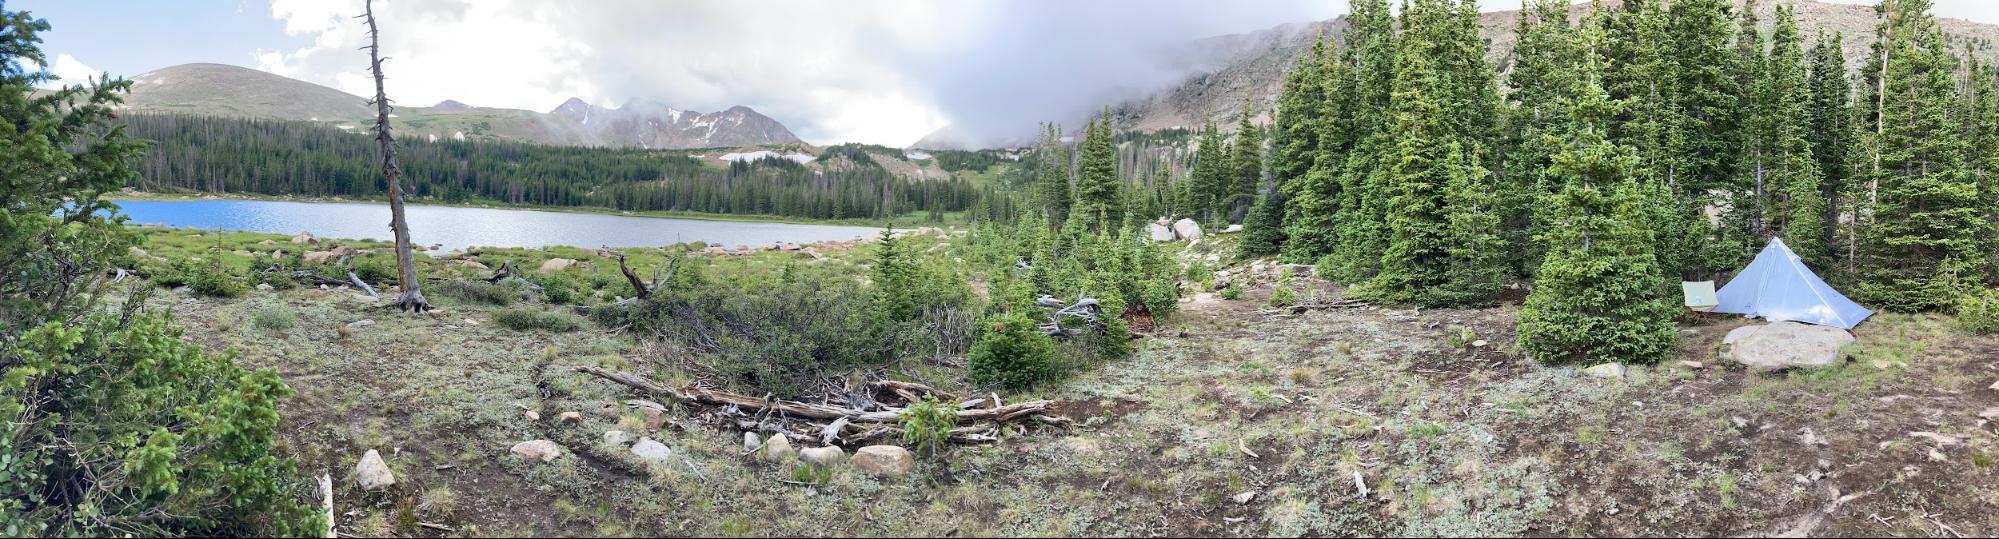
[
  {"x": 618, "y": 437},
  {"x": 543, "y": 451},
  {"x": 373, "y": 472},
  {"x": 822, "y": 456},
  {"x": 1160, "y": 232},
  {"x": 651, "y": 450},
  {"x": 778, "y": 449},
  {"x": 1606, "y": 370},
  {"x": 1187, "y": 229},
  {"x": 884, "y": 461},
  {"x": 1784, "y": 345}
]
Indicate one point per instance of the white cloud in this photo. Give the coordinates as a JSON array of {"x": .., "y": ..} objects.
[{"x": 71, "y": 71}]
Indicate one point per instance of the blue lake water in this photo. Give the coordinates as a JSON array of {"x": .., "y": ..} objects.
[{"x": 458, "y": 228}]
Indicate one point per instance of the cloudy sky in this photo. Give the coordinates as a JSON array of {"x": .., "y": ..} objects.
[{"x": 885, "y": 72}]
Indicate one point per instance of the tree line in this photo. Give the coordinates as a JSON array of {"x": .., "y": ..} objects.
[
  {"x": 274, "y": 157},
  {"x": 1628, "y": 148}
]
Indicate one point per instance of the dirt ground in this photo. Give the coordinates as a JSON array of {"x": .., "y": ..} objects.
[{"x": 1227, "y": 421}]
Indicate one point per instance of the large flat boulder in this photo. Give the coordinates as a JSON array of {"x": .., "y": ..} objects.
[
  {"x": 1187, "y": 229},
  {"x": 1160, "y": 232},
  {"x": 1784, "y": 345},
  {"x": 884, "y": 461}
]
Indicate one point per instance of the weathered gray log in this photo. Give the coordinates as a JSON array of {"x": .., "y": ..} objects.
[
  {"x": 363, "y": 285},
  {"x": 823, "y": 412}
]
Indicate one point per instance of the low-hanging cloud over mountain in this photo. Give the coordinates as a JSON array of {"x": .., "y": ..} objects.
[{"x": 881, "y": 72}]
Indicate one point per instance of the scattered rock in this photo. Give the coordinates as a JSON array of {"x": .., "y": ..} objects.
[
  {"x": 1479, "y": 343},
  {"x": 539, "y": 450},
  {"x": 1607, "y": 370},
  {"x": 1692, "y": 364},
  {"x": 822, "y": 456},
  {"x": 304, "y": 238},
  {"x": 1825, "y": 464},
  {"x": 1245, "y": 497},
  {"x": 651, "y": 450},
  {"x": 1739, "y": 421},
  {"x": 654, "y": 418},
  {"x": 1945, "y": 441},
  {"x": 570, "y": 417},
  {"x": 1187, "y": 229},
  {"x": 556, "y": 264},
  {"x": 264, "y": 287},
  {"x": 1808, "y": 437},
  {"x": 751, "y": 442},
  {"x": 618, "y": 437},
  {"x": 373, "y": 472},
  {"x": 1160, "y": 232},
  {"x": 1784, "y": 345},
  {"x": 1990, "y": 414},
  {"x": 778, "y": 449},
  {"x": 884, "y": 461},
  {"x": 318, "y": 257},
  {"x": 362, "y": 323},
  {"x": 1231, "y": 229},
  {"x": 1937, "y": 456},
  {"x": 471, "y": 322},
  {"x": 532, "y": 415}
]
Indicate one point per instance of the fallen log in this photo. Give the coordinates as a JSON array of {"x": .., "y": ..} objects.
[
  {"x": 822, "y": 412},
  {"x": 363, "y": 285}
]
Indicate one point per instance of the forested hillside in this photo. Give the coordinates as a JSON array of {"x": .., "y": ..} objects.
[{"x": 272, "y": 157}]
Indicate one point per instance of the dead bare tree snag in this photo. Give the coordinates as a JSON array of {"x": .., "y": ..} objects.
[
  {"x": 412, "y": 296},
  {"x": 642, "y": 288}
]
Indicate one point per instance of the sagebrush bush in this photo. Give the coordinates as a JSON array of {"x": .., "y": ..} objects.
[
  {"x": 1011, "y": 352},
  {"x": 1978, "y": 312},
  {"x": 500, "y": 294},
  {"x": 273, "y": 318},
  {"x": 527, "y": 319}
]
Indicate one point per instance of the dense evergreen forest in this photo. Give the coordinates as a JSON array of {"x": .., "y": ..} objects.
[
  {"x": 225, "y": 155},
  {"x": 1637, "y": 146}
]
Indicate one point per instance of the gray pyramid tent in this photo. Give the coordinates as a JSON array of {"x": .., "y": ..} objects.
[{"x": 1777, "y": 286}]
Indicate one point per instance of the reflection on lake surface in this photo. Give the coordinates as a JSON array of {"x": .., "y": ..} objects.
[{"x": 458, "y": 228}]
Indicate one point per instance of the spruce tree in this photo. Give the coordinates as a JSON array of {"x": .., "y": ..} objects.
[
  {"x": 1829, "y": 134},
  {"x": 1542, "y": 56},
  {"x": 1922, "y": 235},
  {"x": 1981, "y": 120},
  {"x": 1098, "y": 200},
  {"x": 1245, "y": 164},
  {"x": 1598, "y": 296},
  {"x": 1796, "y": 203},
  {"x": 1312, "y": 200},
  {"x": 1209, "y": 184},
  {"x": 1051, "y": 176},
  {"x": 1362, "y": 215},
  {"x": 1702, "y": 132},
  {"x": 1295, "y": 123},
  {"x": 1432, "y": 166}
]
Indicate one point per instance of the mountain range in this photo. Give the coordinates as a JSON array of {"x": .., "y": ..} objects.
[{"x": 231, "y": 91}]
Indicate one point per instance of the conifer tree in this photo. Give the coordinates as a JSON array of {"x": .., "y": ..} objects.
[
  {"x": 1541, "y": 56},
  {"x": 1796, "y": 203},
  {"x": 1245, "y": 171},
  {"x": 1098, "y": 200},
  {"x": 1361, "y": 220},
  {"x": 1922, "y": 236},
  {"x": 1830, "y": 136},
  {"x": 1982, "y": 133},
  {"x": 1598, "y": 295},
  {"x": 1311, "y": 200},
  {"x": 1748, "y": 197},
  {"x": 1051, "y": 176},
  {"x": 1295, "y": 123},
  {"x": 1701, "y": 142},
  {"x": 1432, "y": 170},
  {"x": 1209, "y": 184}
]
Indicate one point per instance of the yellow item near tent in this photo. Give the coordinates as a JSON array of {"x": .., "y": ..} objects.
[{"x": 1700, "y": 295}]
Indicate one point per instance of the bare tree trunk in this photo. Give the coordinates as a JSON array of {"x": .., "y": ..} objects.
[{"x": 412, "y": 296}]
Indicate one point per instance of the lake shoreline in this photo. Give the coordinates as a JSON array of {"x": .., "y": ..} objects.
[
  {"x": 458, "y": 227},
  {"x": 912, "y": 220}
]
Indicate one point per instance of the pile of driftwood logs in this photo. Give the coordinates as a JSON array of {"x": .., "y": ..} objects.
[
  {"x": 979, "y": 419},
  {"x": 1316, "y": 305}
]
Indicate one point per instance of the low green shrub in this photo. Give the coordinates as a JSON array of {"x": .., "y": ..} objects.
[
  {"x": 1978, "y": 312},
  {"x": 500, "y": 294},
  {"x": 561, "y": 287},
  {"x": 1012, "y": 352},
  {"x": 184, "y": 448},
  {"x": 273, "y": 318},
  {"x": 528, "y": 319},
  {"x": 927, "y": 424}
]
